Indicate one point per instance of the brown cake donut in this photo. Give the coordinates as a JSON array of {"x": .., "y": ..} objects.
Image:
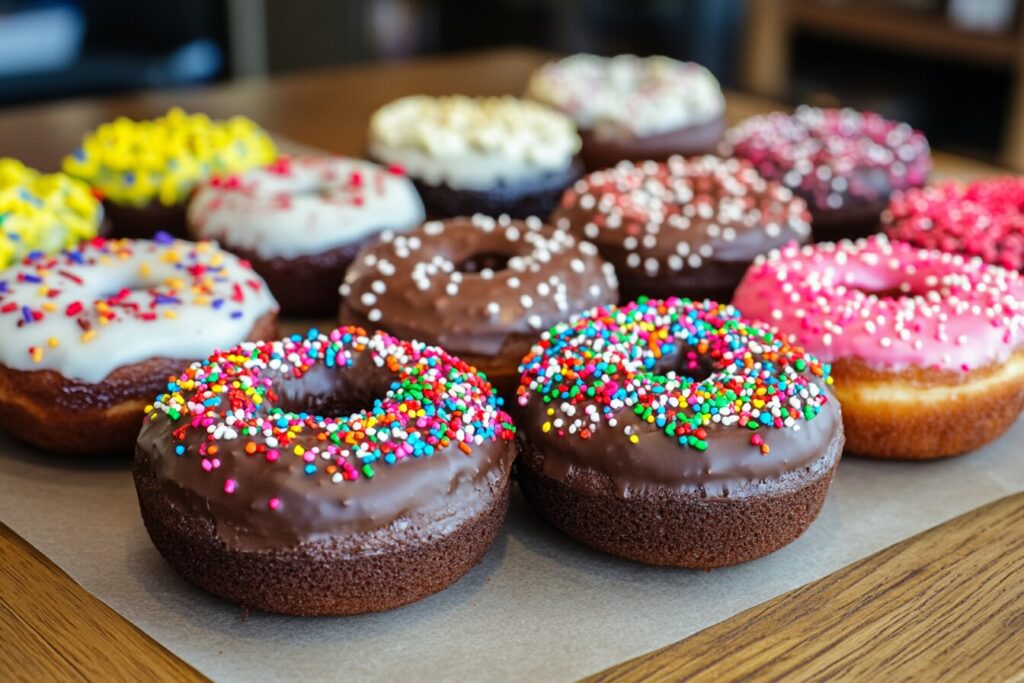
[
  {"x": 482, "y": 288},
  {"x": 325, "y": 474},
  {"x": 630, "y": 108},
  {"x": 675, "y": 433},
  {"x": 682, "y": 227},
  {"x": 89, "y": 336},
  {"x": 301, "y": 221}
]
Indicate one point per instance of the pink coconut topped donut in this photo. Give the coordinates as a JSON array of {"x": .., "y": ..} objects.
[
  {"x": 984, "y": 218},
  {"x": 843, "y": 162},
  {"x": 889, "y": 304}
]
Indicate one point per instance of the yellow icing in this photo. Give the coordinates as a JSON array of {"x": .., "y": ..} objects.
[
  {"x": 42, "y": 212},
  {"x": 136, "y": 162}
]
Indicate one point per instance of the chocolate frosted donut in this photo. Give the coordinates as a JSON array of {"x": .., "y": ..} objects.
[
  {"x": 843, "y": 162},
  {"x": 301, "y": 221},
  {"x": 325, "y": 474},
  {"x": 675, "y": 433},
  {"x": 481, "y": 288},
  {"x": 634, "y": 108},
  {"x": 682, "y": 227},
  {"x": 488, "y": 155},
  {"x": 89, "y": 336}
]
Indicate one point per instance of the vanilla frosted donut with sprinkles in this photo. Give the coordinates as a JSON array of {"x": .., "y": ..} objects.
[
  {"x": 927, "y": 348},
  {"x": 325, "y": 473},
  {"x": 88, "y": 336},
  {"x": 300, "y": 221},
  {"x": 682, "y": 227},
  {"x": 676, "y": 433},
  {"x": 480, "y": 287},
  {"x": 845, "y": 163}
]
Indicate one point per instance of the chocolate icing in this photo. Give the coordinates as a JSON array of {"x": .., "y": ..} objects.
[
  {"x": 427, "y": 489},
  {"x": 462, "y": 323}
]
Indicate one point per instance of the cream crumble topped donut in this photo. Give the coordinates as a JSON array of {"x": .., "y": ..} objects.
[
  {"x": 675, "y": 433},
  {"x": 927, "y": 348},
  {"x": 682, "y": 227},
  {"x": 301, "y": 221},
  {"x": 90, "y": 335},
  {"x": 479, "y": 287},
  {"x": 845, "y": 163},
  {"x": 488, "y": 155},
  {"x": 325, "y": 473},
  {"x": 634, "y": 108}
]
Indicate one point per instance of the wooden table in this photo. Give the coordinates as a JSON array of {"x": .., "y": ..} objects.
[{"x": 948, "y": 603}]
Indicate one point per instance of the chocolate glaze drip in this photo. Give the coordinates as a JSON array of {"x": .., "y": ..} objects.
[{"x": 423, "y": 492}]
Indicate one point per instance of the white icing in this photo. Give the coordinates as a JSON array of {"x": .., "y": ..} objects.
[
  {"x": 196, "y": 328},
  {"x": 304, "y": 206},
  {"x": 641, "y": 96},
  {"x": 472, "y": 143}
]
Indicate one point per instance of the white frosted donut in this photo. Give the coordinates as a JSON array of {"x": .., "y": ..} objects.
[
  {"x": 110, "y": 303},
  {"x": 306, "y": 205}
]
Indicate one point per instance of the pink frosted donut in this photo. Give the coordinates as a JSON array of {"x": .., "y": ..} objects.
[
  {"x": 927, "y": 347},
  {"x": 984, "y": 218},
  {"x": 843, "y": 162}
]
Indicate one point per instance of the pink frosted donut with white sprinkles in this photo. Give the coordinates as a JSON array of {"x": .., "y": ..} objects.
[
  {"x": 927, "y": 347},
  {"x": 845, "y": 163}
]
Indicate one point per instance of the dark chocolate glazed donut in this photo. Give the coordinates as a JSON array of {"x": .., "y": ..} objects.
[
  {"x": 253, "y": 489},
  {"x": 845, "y": 163},
  {"x": 480, "y": 287},
  {"x": 682, "y": 227},
  {"x": 675, "y": 433}
]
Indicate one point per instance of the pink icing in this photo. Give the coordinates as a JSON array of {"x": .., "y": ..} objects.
[{"x": 889, "y": 304}]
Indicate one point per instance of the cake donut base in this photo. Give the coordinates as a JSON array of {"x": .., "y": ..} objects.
[
  {"x": 679, "y": 529},
  {"x": 604, "y": 152},
  {"x": 919, "y": 414},
  {"x": 142, "y": 222},
  {"x": 68, "y": 417},
  {"x": 351, "y": 574}
]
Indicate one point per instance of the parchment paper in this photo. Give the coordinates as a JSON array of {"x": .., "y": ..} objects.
[{"x": 539, "y": 607}]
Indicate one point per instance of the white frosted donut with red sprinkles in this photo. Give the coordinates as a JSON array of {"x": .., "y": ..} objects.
[{"x": 927, "y": 347}]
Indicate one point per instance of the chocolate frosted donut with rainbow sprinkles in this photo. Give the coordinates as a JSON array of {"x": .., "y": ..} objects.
[
  {"x": 676, "y": 433},
  {"x": 927, "y": 348},
  {"x": 487, "y": 155},
  {"x": 845, "y": 163},
  {"x": 42, "y": 212},
  {"x": 331, "y": 473},
  {"x": 145, "y": 171},
  {"x": 89, "y": 336},
  {"x": 682, "y": 227},
  {"x": 480, "y": 287},
  {"x": 301, "y": 221}
]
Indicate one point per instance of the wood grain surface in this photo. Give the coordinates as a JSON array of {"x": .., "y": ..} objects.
[{"x": 945, "y": 604}]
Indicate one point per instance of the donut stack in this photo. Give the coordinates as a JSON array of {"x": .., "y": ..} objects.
[{"x": 502, "y": 315}]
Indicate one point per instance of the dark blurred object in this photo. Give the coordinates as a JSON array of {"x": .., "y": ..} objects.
[
  {"x": 128, "y": 44},
  {"x": 954, "y": 68}
]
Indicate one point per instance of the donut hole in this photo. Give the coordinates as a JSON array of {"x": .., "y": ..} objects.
[
  {"x": 332, "y": 392},
  {"x": 486, "y": 260},
  {"x": 685, "y": 362},
  {"x": 885, "y": 293}
]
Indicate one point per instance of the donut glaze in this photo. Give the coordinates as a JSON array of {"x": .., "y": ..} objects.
[
  {"x": 984, "y": 218},
  {"x": 479, "y": 287},
  {"x": 843, "y": 162},
  {"x": 682, "y": 227},
  {"x": 665, "y": 404},
  {"x": 346, "y": 449},
  {"x": 927, "y": 347}
]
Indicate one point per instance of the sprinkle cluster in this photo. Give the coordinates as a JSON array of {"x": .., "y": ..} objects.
[
  {"x": 44, "y": 213},
  {"x": 671, "y": 215},
  {"x": 229, "y": 401},
  {"x": 984, "y": 218},
  {"x": 831, "y": 155},
  {"x": 598, "y": 365},
  {"x": 45, "y": 287},
  {"x": 136, "y": 162}
]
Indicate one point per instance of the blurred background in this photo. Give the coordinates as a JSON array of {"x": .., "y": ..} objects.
[{"x": 954, "y": 68}]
